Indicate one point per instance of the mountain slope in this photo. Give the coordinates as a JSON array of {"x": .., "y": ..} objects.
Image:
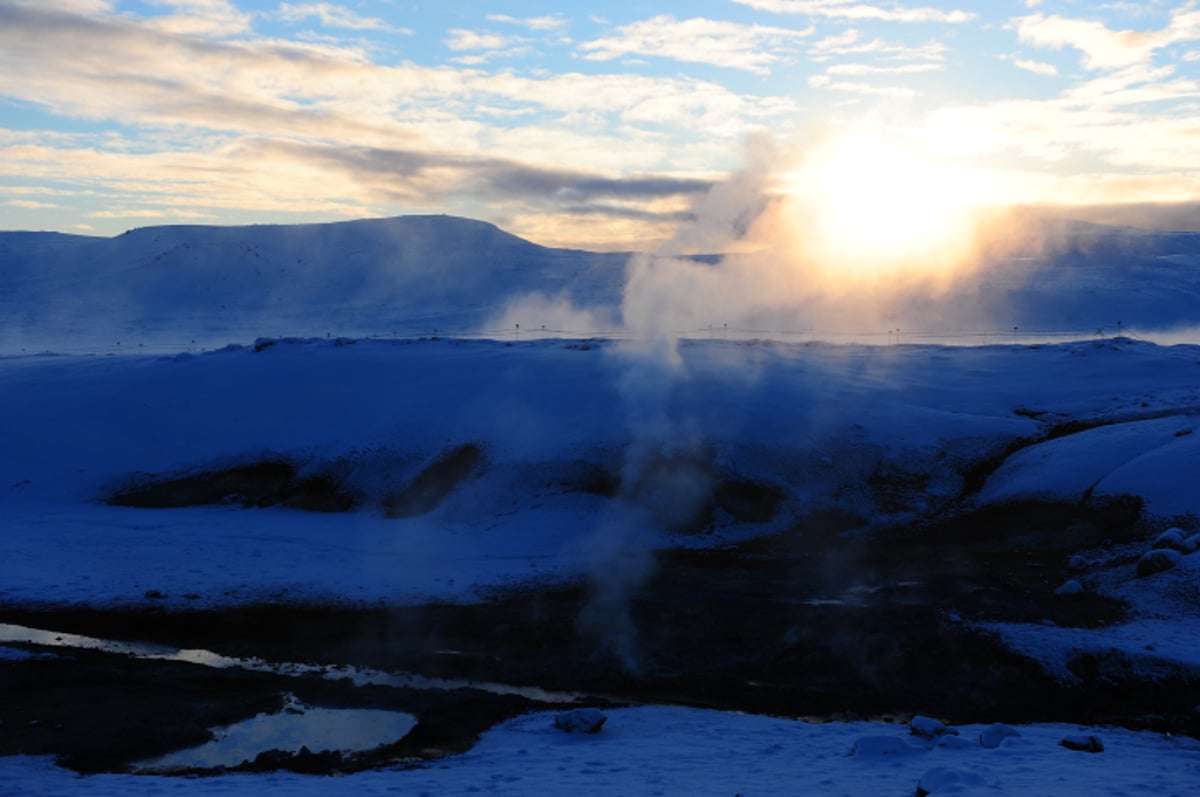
[{"x": 404, "y": 275}]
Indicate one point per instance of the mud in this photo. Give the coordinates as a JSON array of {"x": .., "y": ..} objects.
[{"x": 819, "y": 621}]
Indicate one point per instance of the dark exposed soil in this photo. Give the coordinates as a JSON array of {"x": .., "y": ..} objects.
[
  {"x": 434, "y": 483},
  {"x": 812, "y": 622},
  {"x": 260, "y": 484}
]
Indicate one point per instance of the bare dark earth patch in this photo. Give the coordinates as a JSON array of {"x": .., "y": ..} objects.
[
  {"x": 434, "y": 483},
  {"x": 259, "y": 484},
  {"x": 811, "y": 622}
]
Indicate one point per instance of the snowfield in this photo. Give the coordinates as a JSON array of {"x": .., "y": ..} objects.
[
  {"x": 446, "y": 469},
  {"x": 816, "y": 420},
  {"x": 667, "y": 751}
]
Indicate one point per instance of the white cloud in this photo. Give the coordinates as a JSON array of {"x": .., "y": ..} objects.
[
  {"x": 214, "y": 18},
  {"x": 872, "y": 69},
  {"x": 1036, "y": 67},
  {"x": 548, "y": 23},
  {"x": 1102, "y": 47},
  {"x": 848, "y": 43},
  {"x": 850, "y": 9},
  {"x": 460, "y": 39},
  {"x": 753, "y": 48},
  {"x": 30, "y": 204},
  {"x": 826, "y": 82},
  {"x": 332, "y": 16}
]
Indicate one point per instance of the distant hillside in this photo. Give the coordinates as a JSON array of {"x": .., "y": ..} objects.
[
  {"x": 175, "y": 287},
  {"x": 406, "y": 275}
]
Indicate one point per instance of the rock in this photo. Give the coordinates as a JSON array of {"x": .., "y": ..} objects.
[
  {"x": 154, "y": 595},
  {"x": 994, "y": 735},
  {"x": 1171, "y": 538},
  {"x": 1157, "y": 560},
  {"x": 1079, "y": 562},
  {"x": 949, "y": 742},
  {"x": 580, "y": 720},
  {"x": 1191, "y": 544},
  {"x": 1083, "y": 743},
  {"x": 1069, "y": 588},
  {"x": 883, "y": 746},
  {"x": 941, "y": 780},
  {"x": 928, "y": 727}
]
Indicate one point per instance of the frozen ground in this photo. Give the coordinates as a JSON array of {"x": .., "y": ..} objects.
[
  {"x": 667, "y": 751},
  {"x": 554, "y": 459}
]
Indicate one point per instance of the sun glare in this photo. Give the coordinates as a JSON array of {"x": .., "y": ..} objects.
[{"x": 866, "y": 205}]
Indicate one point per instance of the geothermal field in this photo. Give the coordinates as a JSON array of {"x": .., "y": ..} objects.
[{"x": 437, "y": 510}]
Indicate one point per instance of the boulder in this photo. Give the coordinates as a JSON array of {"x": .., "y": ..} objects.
[
  {"x": 928, "y": 727},
  {"x": 1069, "y": 588},
  {"x": 580, "y": 720},
  {"x": 942, "y": 780},
  {"x": 1171, "y": 538},
  {"x": 1157, "y": 560},
  {"x": 994, "y": 735},
  {"x": 1085, "y": 743}
]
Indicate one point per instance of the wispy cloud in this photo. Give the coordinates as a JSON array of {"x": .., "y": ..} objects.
[
  {"x": 333, "y": 16},
  {"x": 753, "y": 48},
  {"x": 852, "y": 10},
  {"x": 1103, "y": 47},
  {"x": 875, "y": 69},
  {"x": 543, "y": 23},
  {"x": 826, "y": 82},
  {"x": 849, "y": 42},
  {"x": 1036, "y": 67}
]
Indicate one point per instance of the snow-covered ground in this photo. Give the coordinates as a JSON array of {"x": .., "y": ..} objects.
[
  {"x": 818, "y": 421},
  {"x": 811, "y": 419},
  {"x": 668, "y": 751}
]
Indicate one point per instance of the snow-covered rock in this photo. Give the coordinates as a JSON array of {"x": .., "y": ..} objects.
[
  {"x": 580, "y": 720},
  {"x": 1085, "y": 743},
  {"x": 1171, "y": 538},
  {"x": 943, "y": 780},
  {"x": 1070, "y": 587},
  {"x": 1191, "y": 544},
  {"x": 995, "y": 735},
  {"x": 928, "y": 727},
  {"x": 1157, "y": 560}
]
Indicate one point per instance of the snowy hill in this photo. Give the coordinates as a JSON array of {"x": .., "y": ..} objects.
[
  {"x": 215, "y": 285},
  {"x": 187, "y": 287}
]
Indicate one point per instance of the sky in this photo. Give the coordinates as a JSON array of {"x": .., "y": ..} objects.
[{"x": 595, "y": 125}]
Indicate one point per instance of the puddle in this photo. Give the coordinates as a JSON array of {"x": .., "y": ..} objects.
[
  {"x": 359, "y": 676},
  {"x": 295, "y": 727}
]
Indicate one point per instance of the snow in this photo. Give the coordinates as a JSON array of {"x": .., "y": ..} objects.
[
  {"x": 808, "y": 417},
  {"x": 817, "y": 420},
  {"x": 657, "y": 750}
]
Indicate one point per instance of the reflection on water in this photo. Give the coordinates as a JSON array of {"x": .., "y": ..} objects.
[
  {"x": 359, "y": 676},
  {"x": 297, "y": 726}
]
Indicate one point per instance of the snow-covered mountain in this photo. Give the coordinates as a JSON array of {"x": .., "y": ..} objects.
[
  {"x": 213, "y": 285},
  {"x": 180, "y": 287}
]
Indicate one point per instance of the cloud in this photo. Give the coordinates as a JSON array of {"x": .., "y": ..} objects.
[
  {"x": 825, "y": 82},
  {"x": 849, "y": 43},
  {"x": 30, "y": 204},
  {"x": 213, "y": 18},
  {"x": 752, "y": 48},
  {"x": 547, "y": 23},
  {"x": 1036, "y": 67},
  {"x": 849, "y": 9},
  {"x": 1102, "y": 47},
  {"x": 871, "y": 69},
  {"x": 461, "y": 39},
  {"x": 333, "y": 16}
]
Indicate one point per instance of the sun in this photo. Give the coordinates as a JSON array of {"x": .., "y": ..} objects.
[{"x": 867, "y": 205}]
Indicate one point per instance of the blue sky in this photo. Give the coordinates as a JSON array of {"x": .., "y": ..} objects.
[{"x": 593, "y": 125}]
